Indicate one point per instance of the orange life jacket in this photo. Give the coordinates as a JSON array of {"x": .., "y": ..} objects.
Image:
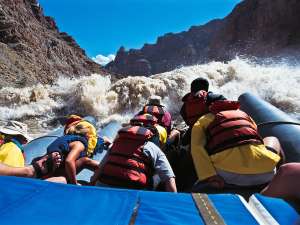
[
  {"x": 126, "y": 164},
  {"x": 230, "y": 128},
  {"x": 144, "y": 120},
  {"x": 194, "y": 106}
]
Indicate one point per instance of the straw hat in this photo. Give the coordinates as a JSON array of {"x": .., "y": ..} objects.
[{"x": 15, "y": 128}]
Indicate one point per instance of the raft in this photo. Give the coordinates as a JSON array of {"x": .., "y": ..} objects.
[
  {"x": 31, "y": 201},
  {"x": 272, "y": 121}
]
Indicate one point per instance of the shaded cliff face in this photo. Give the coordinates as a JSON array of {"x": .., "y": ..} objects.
[
  {"x": 261, "y": 28},
  {"x": 33, "y": 50},
  {"x": 169, "y": 52}
]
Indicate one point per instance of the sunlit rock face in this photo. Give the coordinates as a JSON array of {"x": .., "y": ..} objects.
[
  {"x": 32, "y": 49},
  {"x": 260, "y": 28}
]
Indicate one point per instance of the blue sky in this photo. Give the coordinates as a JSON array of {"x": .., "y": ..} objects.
[{"x": 102, "y": 26}]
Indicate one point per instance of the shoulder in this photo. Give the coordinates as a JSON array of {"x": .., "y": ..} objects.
[
  {"x": 8, "y": 145},
  {"x": 151, "y": 146},
  {"x": 205, "y": 120},
  {"x": 213, "y": 97},
  {"x": 184, "y": 98},
  {"x": 151, "y": 149}
]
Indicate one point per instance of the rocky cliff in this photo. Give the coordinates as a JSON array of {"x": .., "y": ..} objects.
[
  {"x": 261, "y": 28},
  {"x": 32, "y": 49}
]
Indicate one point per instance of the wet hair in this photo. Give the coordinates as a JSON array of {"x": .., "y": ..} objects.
[{"x": 199, "y": 84}]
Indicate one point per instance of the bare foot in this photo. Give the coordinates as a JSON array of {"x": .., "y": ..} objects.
[{"x": 47, "y": 164}]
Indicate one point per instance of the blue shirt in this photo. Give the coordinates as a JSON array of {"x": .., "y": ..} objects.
[
  {"x": 61, "y": 144},
  {"x": 160, "y": 162}
]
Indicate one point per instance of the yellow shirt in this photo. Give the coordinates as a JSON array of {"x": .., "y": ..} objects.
[
  {"x": 243, "y": 159},
  {"x": 11, "y": 155}
]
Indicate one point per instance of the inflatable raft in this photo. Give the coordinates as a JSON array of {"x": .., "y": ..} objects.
[
  {"x": 35, "y": 202},
  {"x": 272, "y": 121}
]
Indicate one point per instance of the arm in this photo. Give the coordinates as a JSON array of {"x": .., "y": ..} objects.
[
  {"x": 161, "y": 166},
  {"x": 202, "y": 162},
  {"x": 170, "y": 185},
  {"x": 76, "y": 148}
]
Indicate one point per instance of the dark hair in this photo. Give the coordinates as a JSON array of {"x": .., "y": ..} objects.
[{"x": 199, "y": 84}]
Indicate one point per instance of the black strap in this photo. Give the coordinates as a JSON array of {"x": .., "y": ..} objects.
[
  {"x": 230, "y": 128},
  {"x": 233, "y": 142},
  {"x": 206, "y": 209},
  {"x": 120, "y": 182},
  {"x": 228, "y": 120},
  {"x": 126, "y": 156},
  {"x": 278, "y": 123},
  {"x": 128, "y": 167}
]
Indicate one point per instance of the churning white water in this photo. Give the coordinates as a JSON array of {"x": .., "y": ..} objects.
[{"x": 95, "y": 95}]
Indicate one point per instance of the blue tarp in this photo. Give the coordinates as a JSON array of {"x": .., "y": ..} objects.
[
  {"x": 282, "y": 212},
  {"x": 232, "y": 209},
  {"x": 29, "y": 201}
]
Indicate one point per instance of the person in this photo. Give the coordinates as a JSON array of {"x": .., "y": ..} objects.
[
  {"x": 147, "y": 120},
  {"x": 155, "y": 108},
  {"x": 227, "y": 149},
  {"x": 75, "y": 149},
  {"x": 133, "y": 159},
  {"x": 192, "y": 108},
  {"x": 12, "y": 162},
  {"x": 37, "y": 169},
  {"x": 285, "y": 183},
  {"x": 13, "y": 135},
  {"x": 77, "y": 125}
]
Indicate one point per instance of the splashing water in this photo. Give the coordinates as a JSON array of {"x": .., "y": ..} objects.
[{"x": 97, "y": 96}]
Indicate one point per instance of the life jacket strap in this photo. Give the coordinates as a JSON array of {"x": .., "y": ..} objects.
[{"x": 233, "y": 142}]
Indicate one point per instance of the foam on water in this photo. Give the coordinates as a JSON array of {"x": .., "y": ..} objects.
[{"x": 97, "y": 96}]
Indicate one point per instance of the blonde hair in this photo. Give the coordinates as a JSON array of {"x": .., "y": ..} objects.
[{"x": 77, "y": 129}]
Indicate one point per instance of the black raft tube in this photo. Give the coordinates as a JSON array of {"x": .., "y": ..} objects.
[{"x": 272, "y": 121}]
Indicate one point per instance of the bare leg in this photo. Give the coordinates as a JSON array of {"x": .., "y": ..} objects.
[
  {"x": 86, "y": 163},
  {"x": 286, "y": 182},
  {"x": 61, "y": 179},
  {"x": 273, "y": 144}
]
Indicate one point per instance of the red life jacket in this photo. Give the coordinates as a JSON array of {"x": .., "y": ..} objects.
[
  {"x": 126, "y": 165},
  {"x": 155, "y": 110},
  {"x": 194, "y": 106},
  {"x": 230, "y": 128},
  {"x": 144, "y": 120}
]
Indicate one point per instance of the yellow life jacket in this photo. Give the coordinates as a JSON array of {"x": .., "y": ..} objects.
[{"x": 86, "y": 129}]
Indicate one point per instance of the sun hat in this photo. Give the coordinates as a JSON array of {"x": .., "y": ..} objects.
[
  {"x": 15, "y": 128},
  {"x": 154, "y": 100}
]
